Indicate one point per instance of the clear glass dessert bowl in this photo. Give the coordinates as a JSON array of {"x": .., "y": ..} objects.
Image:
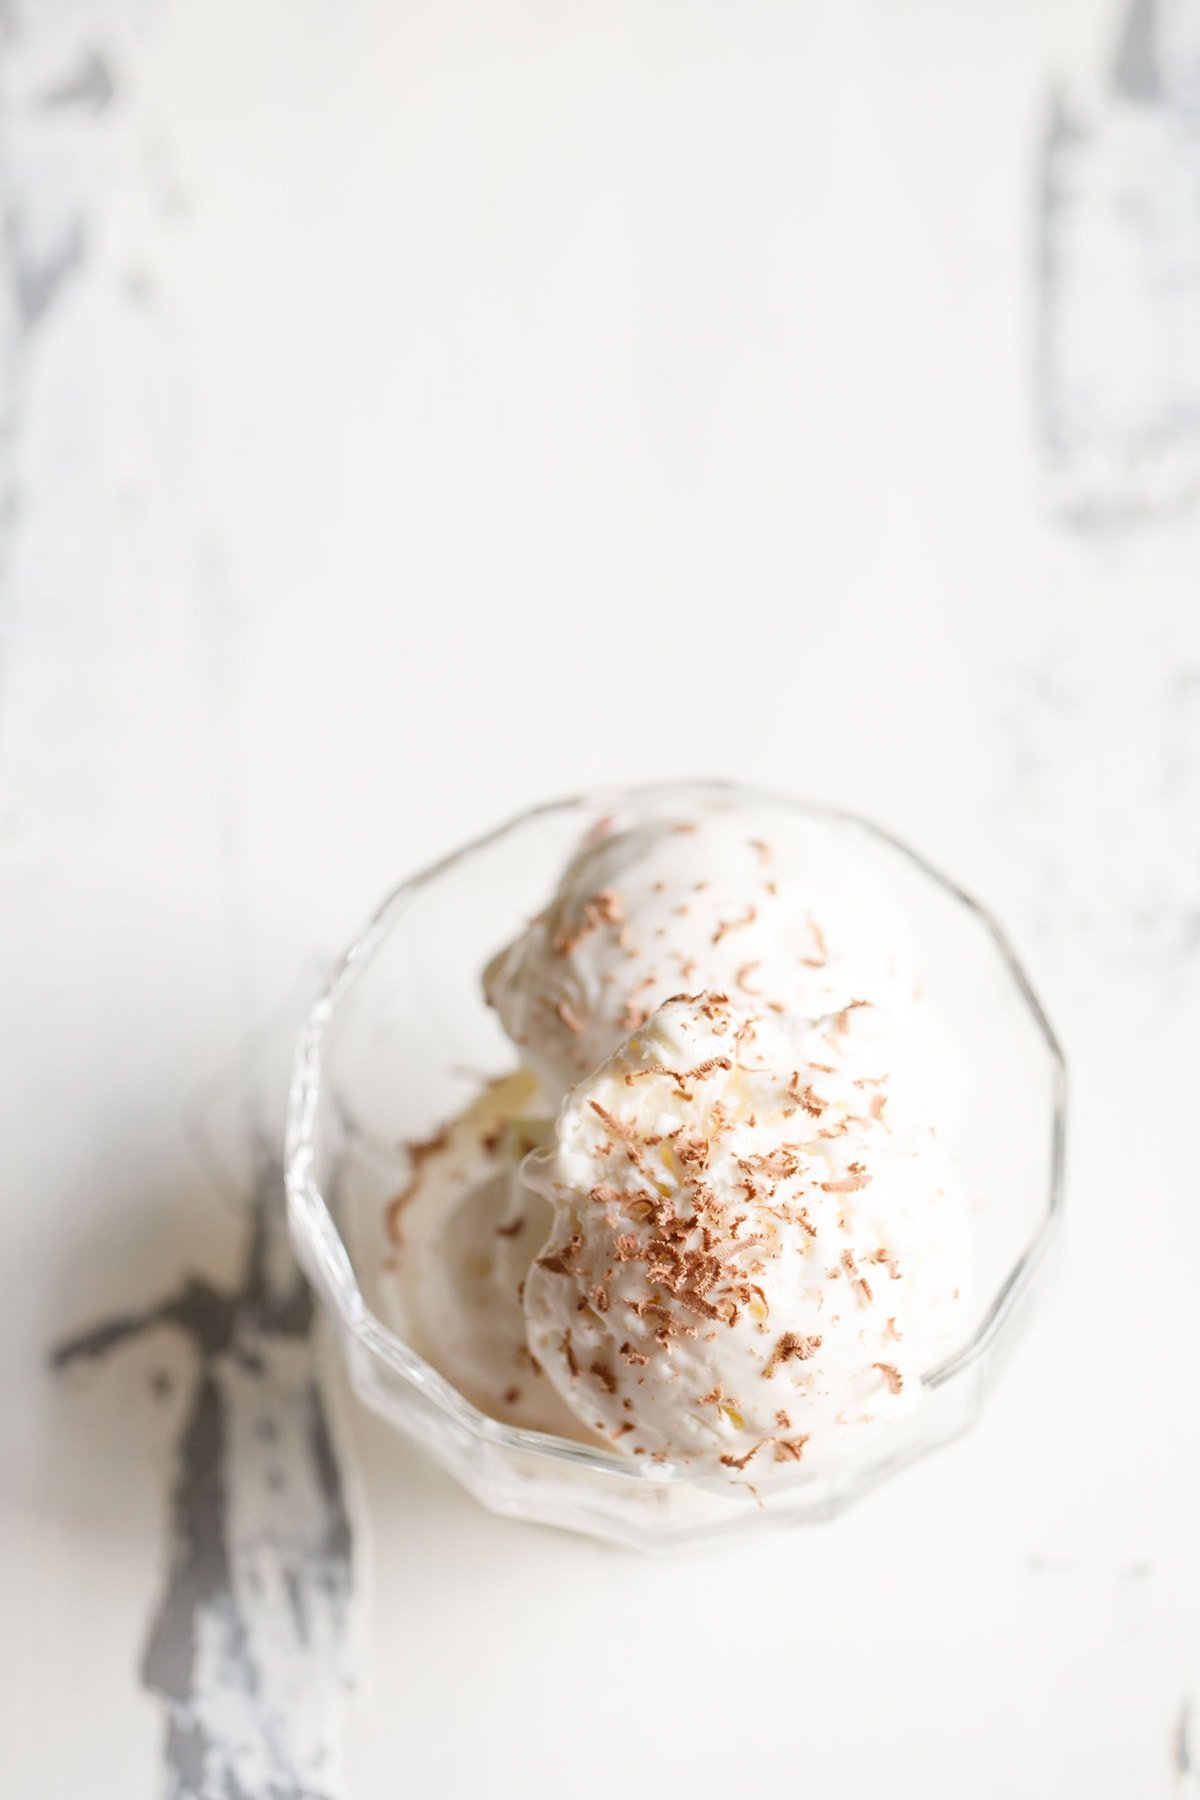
[{"x": 401, "y": 1041}]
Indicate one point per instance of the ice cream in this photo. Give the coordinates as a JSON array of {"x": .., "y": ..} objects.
[
  {"x": 755, "y": 1253},
  {"x": 754, "y": 900},
  {"x": 739, "y": 1247}
]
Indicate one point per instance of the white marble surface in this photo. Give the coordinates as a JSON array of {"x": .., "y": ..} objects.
[{"x": 411, "y": 410}]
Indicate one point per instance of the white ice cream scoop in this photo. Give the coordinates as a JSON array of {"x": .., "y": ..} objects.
[
  {"x": 464, "y": 1233},
  {"x": 746, "y": 898},
  {"x": 757, "y": 1249}
]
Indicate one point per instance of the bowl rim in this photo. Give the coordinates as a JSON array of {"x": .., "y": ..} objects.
[{"x": 311, "y": 1215}]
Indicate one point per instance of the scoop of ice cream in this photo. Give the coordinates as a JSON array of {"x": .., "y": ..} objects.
[
  {"x": 755, "y": 1255},
  {"x": 755, "y": 900},
  {"x": 465, "y": 1230}
]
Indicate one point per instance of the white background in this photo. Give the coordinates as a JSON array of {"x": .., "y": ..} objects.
[{"x": 446, "y": 405}]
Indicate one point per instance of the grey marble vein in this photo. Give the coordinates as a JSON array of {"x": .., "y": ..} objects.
[
  {"x": 39, "y": 274},
  {"x": 1136, "y": 74},
  {"x": 1181, "y": 1748},
  {"x": 248, "y": 1646},
  {"x": 1118, "y": 356},
  {"x": 91, "y": 84},
  {"x": 43, "y": 243}
]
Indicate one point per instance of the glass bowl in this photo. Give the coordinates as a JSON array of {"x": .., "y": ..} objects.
[{"x": 401, "y": 1040}]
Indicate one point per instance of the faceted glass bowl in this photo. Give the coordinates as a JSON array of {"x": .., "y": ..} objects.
[{"x": 401, "y": 1041}]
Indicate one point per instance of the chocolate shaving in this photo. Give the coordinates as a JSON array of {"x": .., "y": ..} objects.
[
  {"x": 570, "y": 1019},
  {"x": 418, "y": 1154},
  {"x": 618, "y": 1127},
  {"x": 692, "y": 1151},
  {"x": 849, "y": 1183},
  {"x": 790, "y": 1449},
  {"x": 605, "y": 1196},
  {"x": 741, "y": 978},
  {"x": 791, "y": 1345},
  {"x": 860, "y": 1284},
  {"x": 813, "y": 1105},
  {"x": 679, "y": 1076},
  {"x": 778, "y": 1165},
  {"x": 891, "y": 1375},
  {"x": 739, "y": 1462},
  {"x": 604, "y": 1376},
  {"x": 725, "y": 926},
  {"x": 559, "y": 1262},
  {"x": 822, "y": 957},
  {"x": 841, "y": 1021},
  {"x": 714, "y": 1007}
]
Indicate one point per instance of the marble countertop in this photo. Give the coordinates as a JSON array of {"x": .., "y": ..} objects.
[{"x": 410, "y": 411}]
